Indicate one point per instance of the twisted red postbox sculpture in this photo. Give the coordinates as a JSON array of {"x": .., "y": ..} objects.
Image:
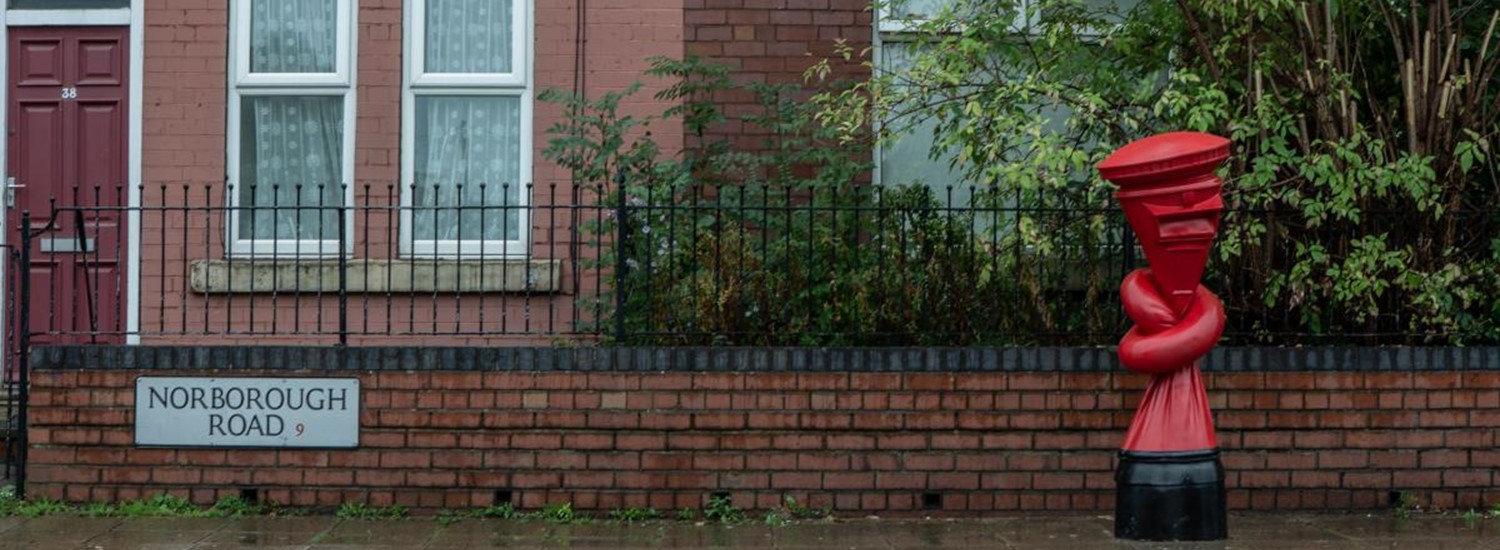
[{"x": 1170, "y": 483}]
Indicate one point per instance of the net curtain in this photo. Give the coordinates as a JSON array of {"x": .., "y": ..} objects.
[
  {"x": 292, "y": 149},
  {"x": 467, "y": 156},
  {"x": 291, "y": 146},
  {"x": 467, "y": 148}
]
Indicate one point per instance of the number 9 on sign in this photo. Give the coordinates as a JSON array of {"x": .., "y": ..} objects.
[{"x": 300, "y": 428}]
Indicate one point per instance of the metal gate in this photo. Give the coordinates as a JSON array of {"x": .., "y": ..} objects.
[
  {"x": 13, "y": 389},
  {"x": 21, "y": 268}
]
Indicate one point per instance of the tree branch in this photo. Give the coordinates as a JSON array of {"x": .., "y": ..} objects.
[{"x": 1204, "y": 50}]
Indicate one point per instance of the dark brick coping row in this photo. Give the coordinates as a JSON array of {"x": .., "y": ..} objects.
[{"x": 797, "y": 359}]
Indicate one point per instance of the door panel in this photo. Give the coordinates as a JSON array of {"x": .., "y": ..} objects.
[
  {"x": 67, "y": 124},
  {"x": 39, "y": 62},
  {"x": 101, "y": 62},
  {"x": 97, "y": 125},
  {"x": 36, "y": 143}
]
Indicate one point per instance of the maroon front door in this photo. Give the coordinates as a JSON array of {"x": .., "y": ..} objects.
[{"x": 66, "y": 121}]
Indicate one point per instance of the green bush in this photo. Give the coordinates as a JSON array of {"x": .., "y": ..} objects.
[
  {"x": 1362, "y": 190},
  {"x": 785, "y": 244},
  {"x": 1363, "y": 197}
]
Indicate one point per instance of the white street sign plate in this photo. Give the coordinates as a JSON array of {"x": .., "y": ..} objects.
[{"x": 246, "y": 412}]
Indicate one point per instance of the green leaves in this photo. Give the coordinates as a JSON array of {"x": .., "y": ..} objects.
[
  {"x": 1351, "y": 218},
  {"x": 1356, "y": 171}
]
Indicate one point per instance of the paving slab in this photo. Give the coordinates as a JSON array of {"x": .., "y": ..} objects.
[
  {"x": 377, "y": 533},
  {"x": 1083, "y": 532},
  {"x": 257, "y": 539},
  {"x": 59, "y": 530},
  {"x": 145, "y": 540},
  {"x": 281, "y": 524},
  {"x": 206, "y": 525}
]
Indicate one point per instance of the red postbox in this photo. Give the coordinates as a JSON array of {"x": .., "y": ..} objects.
[{"x": 1170, "y": 483}]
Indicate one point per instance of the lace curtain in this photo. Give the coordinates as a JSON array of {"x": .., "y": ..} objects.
[
  {"x": 291, "y": 147},
  {"x": 293, "y": 36},
  {"x": 468, "y": 151},
  {"x": 287, "y": 142},
  {"x": 468, "y": 36}
]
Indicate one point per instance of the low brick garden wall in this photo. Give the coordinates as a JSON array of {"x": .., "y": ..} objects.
[{"x": 869, "y": 431}]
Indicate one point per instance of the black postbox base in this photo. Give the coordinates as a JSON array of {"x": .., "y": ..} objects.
[{"x": 1170, "y": 496}]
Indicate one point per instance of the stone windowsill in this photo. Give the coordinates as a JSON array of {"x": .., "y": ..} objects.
[{"x": 376, "y": 276}]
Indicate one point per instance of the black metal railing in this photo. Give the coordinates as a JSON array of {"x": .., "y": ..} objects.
[
  {"x": 381, "y": 264},
  {"x": 16, "y": 383},
  {"x": 703, "y": 265}
]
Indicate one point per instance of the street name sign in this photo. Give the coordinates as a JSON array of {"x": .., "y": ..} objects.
[{"x": 246, "y": 412}]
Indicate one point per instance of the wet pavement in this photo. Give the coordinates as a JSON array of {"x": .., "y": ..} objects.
[{"x": 1278, "y": 532}]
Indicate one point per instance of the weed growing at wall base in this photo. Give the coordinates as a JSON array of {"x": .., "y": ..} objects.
[
  {"x": 158, "y": 506},
  {"x": 12, "y": 506},
  {"x": 722, "y": 510},
  {"x": 631, "y": 515},
  {"x": 360, "y": 510},
  {"x": 1406, "y": 503},
  {"x": 162, "y": 505}
]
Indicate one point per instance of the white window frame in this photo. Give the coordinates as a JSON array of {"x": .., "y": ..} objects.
[
  {"x": 888, "y": 25},
  {"x": 343, "y": 59},
  {"x": 87, "y": 16},
  {"x": 243, "y": 83},
  {"x": 416, "y": 82},
  {"x": 416, "y": 52}
]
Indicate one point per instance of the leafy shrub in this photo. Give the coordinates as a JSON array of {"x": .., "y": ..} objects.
[
  {"x": 1362, "y": 191},
  {"x": 785, "y": 244}
]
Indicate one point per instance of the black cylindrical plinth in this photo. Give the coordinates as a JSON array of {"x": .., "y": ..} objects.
[{"x": 1170, "y": 496}]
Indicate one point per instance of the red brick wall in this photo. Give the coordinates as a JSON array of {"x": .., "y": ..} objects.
[
  {"x": 772, "y": 41},
  {"x": 863, "y": 442},
  {"x": 185, "y": 119}
]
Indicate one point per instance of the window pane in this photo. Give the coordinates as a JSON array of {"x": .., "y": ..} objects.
[
  {"x": 293, "y": 36},
  {"x": 67, "y": 4},
  {"x": 1104, "y": 11},
  {"x": 468, "y": 36},
  {"x": 1117, "y": 7},
  {"x": 907, "y": 158},
  {"x": 468, "y": 168},
  {"x": 291, "y": 166},
  {"x": 917, "y": 9}
]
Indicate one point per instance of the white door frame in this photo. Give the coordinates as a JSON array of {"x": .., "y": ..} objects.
[{"x": 134, "y": 18}]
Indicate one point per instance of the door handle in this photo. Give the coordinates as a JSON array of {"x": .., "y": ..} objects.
[{"x": 10, "y": 191}]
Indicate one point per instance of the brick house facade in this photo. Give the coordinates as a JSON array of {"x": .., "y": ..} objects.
[
  {"x": 184, "y": 138},
  {"x": 202, "y": 82},
  {"x": 874, "y": 431}
]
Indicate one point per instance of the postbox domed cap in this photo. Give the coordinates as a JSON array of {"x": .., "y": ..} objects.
[{"x": 1166, "y": 156}]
